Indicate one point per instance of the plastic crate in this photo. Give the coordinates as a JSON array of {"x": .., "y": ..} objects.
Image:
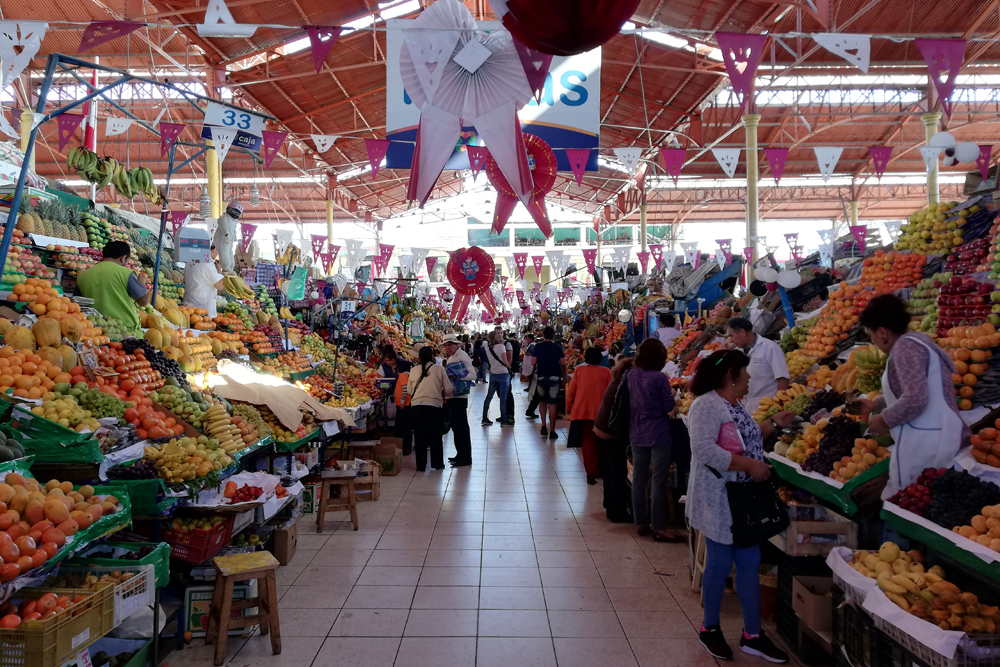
[
  {"x": 854, "y": 633},
  {"x": 130, "y": 595},
  {"x": 790, "y": 567},
  {"x": 193, "y": 546},
  {"x": 982, "y": 651},
  {"x": 159, "y": 558},
  {"x": 51, "y": 642}
]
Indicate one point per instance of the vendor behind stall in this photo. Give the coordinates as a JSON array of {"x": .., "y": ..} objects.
[
  {"x": 202, "y": 283},
  {"x": 918, "y": 406},
  {"x": 114, "y": 287},
  {"x": 768, "y": 370}
]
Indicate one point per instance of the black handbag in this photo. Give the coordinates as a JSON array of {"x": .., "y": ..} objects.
[
  {"x": 758, "y": 513},
  {"x": 621, "y": 410}
]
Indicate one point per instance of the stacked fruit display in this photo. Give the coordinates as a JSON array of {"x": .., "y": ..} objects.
[
  {"x": 865, "y": 454},
  {"x": 985, "y": 448},
  {"x": 282, "y": 434},
  {"x": 963, "y": 301},
  {"x": 64, "y": 410},
  {"x": 169, "y": 369},
  {"x": 98, "y": 229},
  {"x": 970, "y": 347},
  {"x": 251, "y": 418},
  {"x": 314, "y": 346},
  {"x": 285, "y": 364},
  {"x": 136, "y": 374},
  {"x": 889, "y": 271},
  {"x": 242, "y": 494},
  {"x": 839, "y": 436},
  {"x": 265, "y": 300},
  {"x": 870, "y": 363},
  {"x": 799, "y": 448},
  {"x": 924, "y": 304},
  {"x": 239, "y": 310},
  {"x": 21, "y": 261},
  {"x": 189, "y": 406},
  {"x": 929, "y": 231},
  {"x": 184, "y": 459},
  {"x": 72, "y": 260},
  {"x": 984, "y": 528},
  {"x": 52, "y": 218},
  {"x": 795, "y": 398},
  {"x": 950, "y": 498},
  {"x": 229, "y": 323}
]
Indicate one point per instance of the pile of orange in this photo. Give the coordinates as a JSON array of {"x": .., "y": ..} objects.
[
  {"x": 28, "y": 374},
  {"x": 969, "y": 347},
  {"x": 838, "y": 317},
  {"x": 889, "y": 271}
]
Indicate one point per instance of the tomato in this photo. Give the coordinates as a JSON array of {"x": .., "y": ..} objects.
[
  {"x": 10, "y": 572},
  {"x": 131, "y": 415},
  {"x": 148, "y": 423},
  {"x": 10, "y": 620},
  {"x": 38, "y": 558},
  {"x": 50, "y": 548},
  {"x": 27, "y": 607},
  {"x": 33, "y": 616},
  {"x": 15, "y": 532},
  {"x": 25, "y": 564},
  {"x": 127, "y": 385},
  {"x": 47, "y": 615}
]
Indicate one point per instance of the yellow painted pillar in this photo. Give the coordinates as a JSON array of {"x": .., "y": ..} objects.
[
  {"x": 930, "y": 121},
  {"x": 213, "y": 173},
  {"x": 642, "y": 224},
  {"x": 27, "y": 115},
  {"x": 329, "y": 221},
  {"x": 750, "y": 122},
  {"x": 854, "y": 212}
]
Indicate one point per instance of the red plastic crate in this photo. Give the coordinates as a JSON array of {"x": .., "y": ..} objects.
[{"x": 194, "y": 546}]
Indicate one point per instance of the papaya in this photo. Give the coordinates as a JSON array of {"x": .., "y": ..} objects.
[
  {"x": 51, "y": 355},
  {"x": 155, "y": 338},
  {"x": 4, "y": 325},
  {"x": 21, "y": 338},
  {"x": 69, "y": 359},
  {"x": 153, "y": 321},
  {"x": 47, "y": 332},
  {"x": 71, "y": 329}
]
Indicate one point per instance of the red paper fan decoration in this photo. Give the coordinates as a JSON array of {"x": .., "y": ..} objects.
[
  {"x": 471, "y": 272},
  {"x": 542, "y": 162}
]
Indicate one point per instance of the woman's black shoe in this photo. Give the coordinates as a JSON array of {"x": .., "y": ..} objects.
[
  {"x": 711, "y": 638},
  {"x": 460, "y": 464}
]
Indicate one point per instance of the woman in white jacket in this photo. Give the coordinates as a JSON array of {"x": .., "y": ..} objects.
[{"x": 720, "y": 383}]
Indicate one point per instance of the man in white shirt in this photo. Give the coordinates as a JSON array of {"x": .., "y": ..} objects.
[
  {"x": 768, "y": 370},
  {"x": 202, "y": 282},
  {"x": 463, "y": 376},
  {"x": 668, "y": 331}
]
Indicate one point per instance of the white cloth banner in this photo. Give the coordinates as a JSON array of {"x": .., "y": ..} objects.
[
  {"x": 25, "y": 34},
  {"x": 629, "y": 157},
  {"x": 855, "y": 49},
  {"x": 930, "y": 155},
  {"x": 667, "y": 260},
  {"x": 219, "y": 22},
  {"x": 324, "y": 142},
  {"x": 728, "y": 159},
  {"x": 116, "y": 125},
  {"x": 222, "y": 139},
  {"x": 827, "y": 158}
]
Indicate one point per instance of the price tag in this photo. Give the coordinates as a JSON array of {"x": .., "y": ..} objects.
[{"x": 239, "y": 119}]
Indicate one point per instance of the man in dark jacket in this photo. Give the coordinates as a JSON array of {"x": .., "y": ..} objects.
[{"x": 515, "y": 371}]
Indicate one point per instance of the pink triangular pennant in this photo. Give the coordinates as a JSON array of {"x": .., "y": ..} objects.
[
  {"x": 377, "y": 149},
  {"x": 643, "y": 256},
  {"x": 321, "y": 39},
  {"x": 673, "y": 160},
  {"x": 521, "y": 261},
  {"x": 726, "y": 245},
  {"x": 578, "y": 158},
  {"x": 535, "y": 65},
  {"x": 361, "y": 286},
  {"x": 776, "y": 158},
  {"x": 656, "y": 251},
  {"x": 791, "y": 239},
  {"x": 168, "y": 135},
  {"x": 859, "y": 232},
  {"x": 246, "y": 235},
  {"x": 880, "y": 158},
  {"x": 944, "y": 61},
  {"x": 177, "y": 219},
  {"x": 748, "y": 253},
  {"x": 537, "y": 261},
  {"x": 66, "y": 125},
  {"x": 271, "y": 143},
  {"x": 983, "y": 161},
  {"x": 99, "y": 32},
  {"x": 477, "y": 158},
  {"x": 385, "y": 252},
  {"x": 333, "y": 251},
  {"x": 318, "y": 241},
  {"x": 590, "y": 256},
  {"x": 327, "y": 259},
  {"x": 741, "y": 52},
  {"x": 400, "y": 289},
  {"x": 431, "y": 261}
]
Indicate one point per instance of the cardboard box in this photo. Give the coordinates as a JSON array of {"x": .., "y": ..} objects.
[
  {"x": 389, "y": 455},
  {"x": 198, "y": 600},
  {"x": 285, "y": 540},
  {"x": 310, "y": 496},
  {"x": 813, "y": 602},
  {"x": 367, "y": 484}
]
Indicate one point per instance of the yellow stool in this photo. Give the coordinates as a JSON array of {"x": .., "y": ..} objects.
[
  {"x": 229, "y": 569},
  {"x": 345, "y": 480}
]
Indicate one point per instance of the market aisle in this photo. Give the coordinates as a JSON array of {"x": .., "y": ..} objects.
[{"x": 507, "y": 563}]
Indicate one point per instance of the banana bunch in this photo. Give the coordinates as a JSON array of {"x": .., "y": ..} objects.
[
  {"x": 217, "y": 424},
  {"x": 780, "y": 401},
  {"x": 129, "y": 183},
  {"x": 235, "y": 286},
  {"x": 103, "y": 171},
  {"x": 84, "y": 162},
  {"x": 286, "y": 314}
]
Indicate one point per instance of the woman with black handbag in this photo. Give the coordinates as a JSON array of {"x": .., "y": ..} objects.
[
  {"x": 429, "y": 387},
  {"x": 730, "y": 499}
]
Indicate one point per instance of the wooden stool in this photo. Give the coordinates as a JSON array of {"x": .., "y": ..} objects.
[
  {"x": 345, "y": 480},
  {"x": 229, "y": 569}
]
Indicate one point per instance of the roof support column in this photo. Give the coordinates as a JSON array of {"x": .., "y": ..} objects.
[
  {"x": 331, "y": 186},
  {"x": 854, "y": 211},
  {"x": 930, "y": 121},
  {"x": 750, "y": 122},
  {"x": 642, "y": 225}
]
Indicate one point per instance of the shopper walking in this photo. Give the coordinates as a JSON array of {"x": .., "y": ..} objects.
[
  {"x": 651, "y": 400},
  {"x": 550, "y": 365},
  {"x": 462, "y": 376},
  {"x": 612, "y": 452},
  {"x": 515, "y": 370},
  {"x": 527, "y": 368},
  {"x": 499, "y": 362},
  {"x": 583, "y": 399},
  {"x": 429, "y": 387},
  {"x": 720, "y": 383},
  {"x": 482, "y": 362}
]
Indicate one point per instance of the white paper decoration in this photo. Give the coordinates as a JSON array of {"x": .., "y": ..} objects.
[
  {"x": 728, "y": 159},
  {"x": 930, "y": 155},
  {"x": 26, "y": 34},
  {"x": 222, "y": 139},
  {"x": 943, "y": 140},
  {"x": 324, "y": 141},
  {"x": 629, "y": 157},
  {"x": 967, "y": 152},
  {"x": 116, "y": 125},
  {"x": 6, "y": 127},
  {"x": 827, "y": 158},
  {"x": 690, "y": 252},
  {"x": 855, "y": 49},
  {"x": 667, "y": 260},
  {"x": 720, "y": 258},
  {"x": 620, "y": 256},
  {"x": 219, "y": 22}
]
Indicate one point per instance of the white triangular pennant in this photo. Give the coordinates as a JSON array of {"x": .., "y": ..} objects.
[
  {"x": 25, "y": 34},
  {"x": 827, "y": 158},
  {"x": 826, "y": 254},
  {"x": 116, "y": 125},
  {"x": 324, "y": 141},
  {"x": 720, "y": 258},
  {"x": 667, "y": 260},
  {"x": 893, "y": 228},
  {"x": 6, "y": 127},
  {"x": 727, "y": 158},
  {"x": 430, "y": 51},
  {"x": 930, "y": 155},
  {"x": 36, "y": 119},
  {"x": 629, "y": 157},
  {"x": 511, "y": 266},
  {"x": 825, "y": 235},
  {"x": 855, "y": 49},
  {"x": 222, "y": 139},
  {"x": 219, "y": 22}
]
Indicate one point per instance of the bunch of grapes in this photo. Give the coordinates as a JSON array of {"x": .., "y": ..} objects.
[
  {"x": 141, "y": 469},
  {"x": 823, "y": 400},
  {"x": 101, "y": 404},
  {"x": 956, "y": 497},
  {"x": 837, "y": 442}
]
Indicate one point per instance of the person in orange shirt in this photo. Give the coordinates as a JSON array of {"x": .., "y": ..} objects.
[{"x": 583, "y": 400}]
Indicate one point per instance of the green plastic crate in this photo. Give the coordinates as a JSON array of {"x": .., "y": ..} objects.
[{"x": 159, "y": 558}]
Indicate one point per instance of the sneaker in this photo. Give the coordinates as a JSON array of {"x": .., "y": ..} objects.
[
  {"x": 762, "y": 646},
  {"x": 711, "y": 638},
  {"x": 487, "y": 422},
  {"x": 509, "y": 422},
  {"x": 544, "y": 431},
  {"x": 553, "y": 435},
  {"x": 530, "y": 415}
]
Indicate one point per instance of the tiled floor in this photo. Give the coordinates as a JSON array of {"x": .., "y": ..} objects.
[{"x": 507, "y": 563}]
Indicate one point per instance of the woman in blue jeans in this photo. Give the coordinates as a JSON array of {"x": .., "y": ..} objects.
[
  {"x": 720, "y": 383},
  {"x": 499, "y": 362}
]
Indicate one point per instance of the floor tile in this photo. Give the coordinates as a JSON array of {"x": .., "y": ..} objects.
[
  {"x": 580, "y": 599},
  {"x": 357, "y": 652},
  {"x": 389, "y": 576},
  {"x": 449, "y": 576},
  {"x": 515, "y": 652},
  {"x": 513, "y": 623},
  {"x": 453, "y": 558},
  {"x": 380, "y": 597},
  {"x": 510, "y": 576},
  {"x": 640, "y": 599},
  {"x": 656, "y": 624},
  {"x": 594, "y": 652},
  {"x": 446, "y": 597},
  {"x": 666, "y": 652},
  {"x": 314, "y": 597},
  {"x": 585, "y": 624},
  {"x": 436, "y": 651},
  {"x": 511, "y": 597},
  {"x": 441, "y": 623},
  {"x": 509, "y": 559}
]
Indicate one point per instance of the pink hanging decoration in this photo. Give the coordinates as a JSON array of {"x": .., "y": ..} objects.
[
  {"x": 400, "y": 289},
  {"x": 741, "y": 53},
  {"x": 859, "y": 232},
  {"x": 327, "y": 259},
  {"x": 673, "y": 160},
  {"x": 521, "y": 260},
  {"x": 944, "y": 61},
  {"x": 791, "y": 238},
  {"x": 99, "y": 32},
  {"x": 748, "y": 253},
  {"x": 361, "y": 287},
  {"x": 880, "y": 158},
  {"x": 477, "y": 158},
  {"x": 536, "y": 67},
  {"x": 657, "y": 253},
  {"x": 168, "y": 135},
  {"x": 983, "y": 161},
  {"x": 246, "y": 235},
  {"x": 590, "y": 256},
  {"x": 643, "y": 256},
  {"x": 385, "y": 252},
  {"x": 67, "y": 124},
  {"x": 537, "y": 261},
  {"x": 797, "y": 255},
  {"x": 271, "y": 143},
  {"x": 177, "y": 219},
  {"x": 521, "y": 301},
  {"x": 431, "y": 261},
  {"x": 377, "y": 148},
  {"x": 541, "y": 175},
  {"x": 726, "y": 245},
  {"x": 322, "y": 38},
  {"x": 318, "y": 241},
  {"x": 776, "y": 158},
  {"x": 578, "y": 158}
]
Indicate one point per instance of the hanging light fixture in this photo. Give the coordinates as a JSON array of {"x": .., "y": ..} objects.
[
  {"x": 254, "y": 195},
  {"x": 205, "y": 208}
]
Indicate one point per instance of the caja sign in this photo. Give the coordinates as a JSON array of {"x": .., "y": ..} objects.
[{"x": 568, "y": 116}]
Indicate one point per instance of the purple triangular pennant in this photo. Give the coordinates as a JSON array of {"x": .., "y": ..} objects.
[
  {"x": 430, "y": 261},
  {"x": 177, "y": 219},
  {"x": 983, "y": 161},
  {"x": 377, "y": 149},
  {"x": 99, "y": 32},
  {"x": 944, "y": 61},
  {"x": 643, "y": 256},
  {"x": 318, "y": 240},
  {"x": 246, "y": 235},
  {"x": 66, "y": 125},
  {"x": 673, "y": 160},
  {"x": 880, "y": 158},
  {"x": 656, "y": 251},
  {"x": 776, "y": 158},
  {"x": 271, "y": 143},
  {"x": 322, "y": 38},
  {"x": 537, "y": 261},
  {"x": 536, "y": 67},
  {"x": 578, "y": 158},
  {"x": 168, "y": 135},
  {"x": 859, "y": 232},
  {"x": 477, "y": 158},
  {"x": 741, "y": 52}
]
